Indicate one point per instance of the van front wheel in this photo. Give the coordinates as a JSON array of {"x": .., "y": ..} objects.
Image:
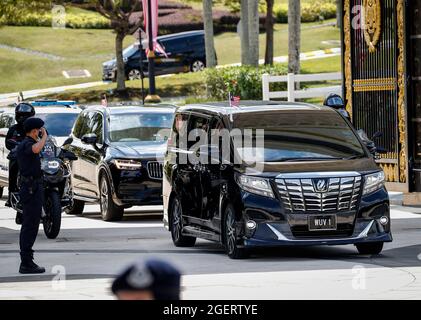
[
  {"x": 231, "y": 242},
  {"x": 372, "y": 248}
]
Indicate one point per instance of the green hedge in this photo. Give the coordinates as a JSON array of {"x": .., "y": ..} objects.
[
  {"x": 310, "y": 11},
  {"x": 75, "y": 18},
  {"x": 244, "y": 81}
]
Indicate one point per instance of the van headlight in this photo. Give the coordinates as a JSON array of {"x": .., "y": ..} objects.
[
  {"x": 373, "y": 182},
  {"x": 128, "y": 164},
  {"x": 255, "y": 185}
]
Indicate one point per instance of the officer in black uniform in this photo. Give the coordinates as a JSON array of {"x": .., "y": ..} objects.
[
  {"x": 30, "y": 190},
  {"x": 148, "y": 280},
  {"x": 15, "y": 135}
]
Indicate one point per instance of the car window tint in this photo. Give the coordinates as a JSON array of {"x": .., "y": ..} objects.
[
  {"x": 179, "y": 130},
  {"x": 58, "y": 124},
  {"x": 77, "y": 129},
  {"x": 198, "y": 123},
  {"x": 97, "y": 125}
]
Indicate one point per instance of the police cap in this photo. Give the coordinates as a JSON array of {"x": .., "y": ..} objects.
[
  {"x": 157, "y": 276},
  {"x": 32, "y": 123}
]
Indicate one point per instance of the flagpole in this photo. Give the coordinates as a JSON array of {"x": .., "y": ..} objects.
[{"x": 152, "y": 96}]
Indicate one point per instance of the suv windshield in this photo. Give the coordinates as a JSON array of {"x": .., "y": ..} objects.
[
  {"x": 58, "y": 124},
  {"x": 299, "y": 136},
  {"x": 143, "y": 126}
]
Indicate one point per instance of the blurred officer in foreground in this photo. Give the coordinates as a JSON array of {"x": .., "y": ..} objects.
[
  {"x": 30, "y": 191},
  {"x": 148, "y": 280},
  {"x": 15, "y": 135}
]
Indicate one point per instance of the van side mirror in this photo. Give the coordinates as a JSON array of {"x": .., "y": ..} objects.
[{"x": 89, "y": 138}]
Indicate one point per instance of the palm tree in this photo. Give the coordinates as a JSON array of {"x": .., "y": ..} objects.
[
  {"x": 209, "y": 35},
  {"x": 294, "y": 36},
  {"x": 253, "y": 22},
  {"x": 269, "y": 23}
]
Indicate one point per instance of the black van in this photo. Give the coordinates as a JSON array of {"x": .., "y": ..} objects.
[
  {"x": 185, "y": 53},
  {"x": 311, "y": 182}
]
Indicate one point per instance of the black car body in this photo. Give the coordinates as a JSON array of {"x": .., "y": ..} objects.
[
  {"x": 185, "y": 52},
  {"x": 120, "y": 152},
  {"x": 317, "y": 183}
]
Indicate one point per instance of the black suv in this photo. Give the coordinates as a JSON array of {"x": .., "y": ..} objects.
[
  {"x": 185, "y": 52},
  {"x": 311, "y": 182},
  {"x": 120, "y": 153}
]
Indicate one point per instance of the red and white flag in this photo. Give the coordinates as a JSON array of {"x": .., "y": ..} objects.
[
  {"x": 234, "y": 100},
  {"x": 154, "y": 18}
]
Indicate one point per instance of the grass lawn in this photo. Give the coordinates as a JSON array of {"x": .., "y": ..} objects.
[{"x": 87, "y": 49}]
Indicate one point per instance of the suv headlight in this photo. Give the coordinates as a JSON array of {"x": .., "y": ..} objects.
[
  {"x": 373, "y": 182},
  {"x": 255, "y": 185},
  {"x": 127, "y": 164}
]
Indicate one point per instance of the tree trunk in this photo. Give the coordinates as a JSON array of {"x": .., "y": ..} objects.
[
  {"x": 209, "y": 35},
  {"x": 253, "y": 21},
  {"x": 269, "y": 32},
  {"x": 245, "y": 40},
  {"x": 294, "y": 36},
  {"x": 338, "y": 14},
  {"x": 121, "y": 74}
]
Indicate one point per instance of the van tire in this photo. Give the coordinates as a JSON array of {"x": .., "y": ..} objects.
[
  {"x": 176, "y": 226},
  {"x": 372, "y": 248},
  {"x": 230, "y": 236}
]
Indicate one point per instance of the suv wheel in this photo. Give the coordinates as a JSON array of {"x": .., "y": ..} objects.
[
  {"x": 109, "y": 210},
  {"x": 76, "y": 208},
  {"x": 370, "y": 248},
  {"x": 197, "y": 65},
  {"x": 177, "y": 226},
  {"x": 230, "y": 237},
  {"x": 133, "y": 74}
]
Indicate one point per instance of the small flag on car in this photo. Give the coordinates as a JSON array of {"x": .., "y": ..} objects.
[{"x": 234, "y": 100}]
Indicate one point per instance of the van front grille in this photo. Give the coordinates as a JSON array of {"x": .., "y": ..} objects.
[
  {"x": 320, "y": 194},
  {"x": 155, "y": 170}
]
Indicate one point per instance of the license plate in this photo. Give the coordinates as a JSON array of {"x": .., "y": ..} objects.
[{"x": 320, "y": 223}]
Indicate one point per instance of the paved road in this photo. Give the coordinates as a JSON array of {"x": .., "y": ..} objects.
[{"x": 92, "y": 251}]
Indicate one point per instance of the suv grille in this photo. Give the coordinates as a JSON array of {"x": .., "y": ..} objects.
[
  {"x": 155, "y": 169},
  {"x": 308, "y": 195}
]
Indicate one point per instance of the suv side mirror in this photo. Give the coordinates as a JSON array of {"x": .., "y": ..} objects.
[
  {"x": 68, "y": 141},
  {"x": 89, "y": 138}
]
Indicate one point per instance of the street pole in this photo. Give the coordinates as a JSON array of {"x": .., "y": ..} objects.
[
  {"x": 142, "y": 75},
  {"x": 152, "y": 96}
]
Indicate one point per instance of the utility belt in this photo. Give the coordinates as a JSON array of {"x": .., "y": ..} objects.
[{"x": 30, "y": 183}]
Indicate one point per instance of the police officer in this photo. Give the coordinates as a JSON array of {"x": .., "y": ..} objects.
[
  {"x": 15, "y": 135},
  {"x": 30, "y": 190},
  {"x": 148, "y": 280},
  {"x": 335, "y": 101}
]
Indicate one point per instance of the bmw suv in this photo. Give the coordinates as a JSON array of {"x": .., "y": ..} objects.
[
  {"x": 120, "y": 152},
  {"x": 304, "y": 177}
]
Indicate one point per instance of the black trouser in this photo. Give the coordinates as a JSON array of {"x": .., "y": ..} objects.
[
  {"x": 13, "y": 176},
  {"x": 31, "y": 196}
]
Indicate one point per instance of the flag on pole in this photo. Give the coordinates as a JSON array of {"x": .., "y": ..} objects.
[
  {"x": 154, "y": 13},
  {"x": 234, "y": 100}
]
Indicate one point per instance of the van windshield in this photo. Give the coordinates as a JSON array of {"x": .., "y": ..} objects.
[{"x": 293, "y": 136}]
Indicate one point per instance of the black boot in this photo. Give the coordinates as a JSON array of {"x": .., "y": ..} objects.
[{"x": 30, "y": 267}]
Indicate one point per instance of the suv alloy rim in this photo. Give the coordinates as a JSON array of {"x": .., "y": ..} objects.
[
  {"x": 134, "y": 74},
  {"x": 176, "y": 224},
  {"x": 230, "y": 231},
  {"x": 104, "y": 197},
  {"x": 198, "y": 66}
]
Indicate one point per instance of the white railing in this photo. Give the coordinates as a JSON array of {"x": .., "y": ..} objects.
[{"x": 291, "y": 94}]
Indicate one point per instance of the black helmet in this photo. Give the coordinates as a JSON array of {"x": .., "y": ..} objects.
[
  {"x": 334, "y": 101},
  {"x": 23, "y": 111}
]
